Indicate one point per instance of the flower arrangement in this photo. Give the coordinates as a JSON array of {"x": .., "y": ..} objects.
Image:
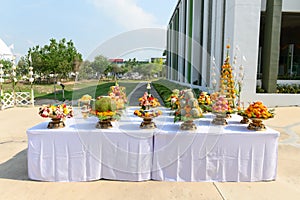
[
  {"x": 84, "y": 104},
  {"x": 118, "y": 94},
  {"x": 86, "y": 97},
  {"x": 214, "y": 96},
  {"x": 188, "y": 107},
  {"x": 147, "y": 114},
  {"x": 227, "y": 83},
  {"x": 105, "y": 108},
  {"x": 205, "y": 102},
  {"x": 204, "y": 99},
  {"x": 104, "y": 115},
  {"x": 148, "y": 101},
  {"x": 59, "y": 111},
  {"x": 173, "y": 100},
  {"x": 221, "y": 105},
  {"x": 257, "y": 110}
]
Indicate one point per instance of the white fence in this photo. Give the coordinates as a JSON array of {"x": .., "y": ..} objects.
[{"x": 19, "y": 99}]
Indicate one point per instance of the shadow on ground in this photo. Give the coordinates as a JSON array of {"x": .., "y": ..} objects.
[{"x": 16, "y": 167}]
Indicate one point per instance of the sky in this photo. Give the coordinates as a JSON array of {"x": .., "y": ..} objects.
[{"x": 88, "y": 23}]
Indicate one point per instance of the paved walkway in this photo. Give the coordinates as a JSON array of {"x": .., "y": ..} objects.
[{"x": 139, "y": 91}]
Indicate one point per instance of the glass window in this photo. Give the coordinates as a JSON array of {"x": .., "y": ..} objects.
[{"x": 289, "y": 61}]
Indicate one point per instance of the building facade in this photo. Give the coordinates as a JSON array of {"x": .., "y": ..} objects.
[
  {"x": 5, "y": 51},
  {"x": 262, "y": 35}
]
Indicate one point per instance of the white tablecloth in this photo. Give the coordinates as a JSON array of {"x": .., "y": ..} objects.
[
  {"x": 215, "y": 153},
  {"x": 80, "y": 152}
]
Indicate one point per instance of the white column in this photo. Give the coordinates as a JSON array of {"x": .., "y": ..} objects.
[
  {"x": 186, "y": 53},
  {"x": 242, "y": 27},
  {"x": 181, "y": 42},
  {"x": 196, "y": 48},
  {"x": 205, "y": 51},
  {"x": 172, "y": 45},
  {"x": 217, "y": 35},
  {"x": 169, "y": 53}
]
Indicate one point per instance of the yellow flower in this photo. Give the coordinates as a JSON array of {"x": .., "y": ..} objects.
[{"x": 66, "y": 110}]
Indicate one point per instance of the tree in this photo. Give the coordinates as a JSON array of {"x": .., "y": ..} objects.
[
  {"x": 6, "y": 66},
  {"x": 23, "y": 67},
  {"x": 114, "y": 69},
  {"x": 149, "y": 69},
  {"x": 85, "y": 70},
  {"x": 59, "y": 58},
  {"x": 130, "y": 65},
  {"x": 100, "y": 64}
]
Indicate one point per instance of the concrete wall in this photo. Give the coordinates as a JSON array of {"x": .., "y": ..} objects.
[
  {"x": 288, "y": 5},
  {"x": 291, "y": 6},
  {"x": 274, "y": 100},
  {"x": 242, "y": 29}
]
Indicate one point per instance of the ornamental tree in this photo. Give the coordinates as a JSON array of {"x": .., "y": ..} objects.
[{"x": 59, "y": 57}]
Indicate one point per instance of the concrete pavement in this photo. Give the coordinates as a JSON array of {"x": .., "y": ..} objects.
[{"x": 14, "y": 182}]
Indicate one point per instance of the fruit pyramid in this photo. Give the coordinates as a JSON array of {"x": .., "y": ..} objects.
[
  {"x": 227, "y": 88},
  {"x": 189, "y": 107},
  {"x": 258, "y": 110}
]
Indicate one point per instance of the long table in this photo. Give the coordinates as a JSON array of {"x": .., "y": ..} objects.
[
  {"x": 215, "y": 153},
  {"x": 80, "y": 152}
]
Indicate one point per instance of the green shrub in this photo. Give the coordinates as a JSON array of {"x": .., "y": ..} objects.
[{"x": 287, "y": 89}]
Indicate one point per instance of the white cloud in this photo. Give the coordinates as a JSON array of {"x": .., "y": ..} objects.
[{"x": 126, "y": 12}]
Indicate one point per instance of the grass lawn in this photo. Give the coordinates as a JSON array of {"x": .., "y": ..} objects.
[
  {"x": 72, "y": 90},
  {"x": 75, "y": 90}
]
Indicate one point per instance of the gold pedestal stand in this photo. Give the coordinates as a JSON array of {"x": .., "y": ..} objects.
[
  {"x": 85, "y": 114},
  {"x": 245, "y": 120},
  {"x": 220, "y": 119},
  {"x": 56, "y": 123},
  {"x": 104, "y": 124},
  {"x": 188, "y": 125},
  {"x": 147, "y": 123},
  {"x": 256, "y": 125}
]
